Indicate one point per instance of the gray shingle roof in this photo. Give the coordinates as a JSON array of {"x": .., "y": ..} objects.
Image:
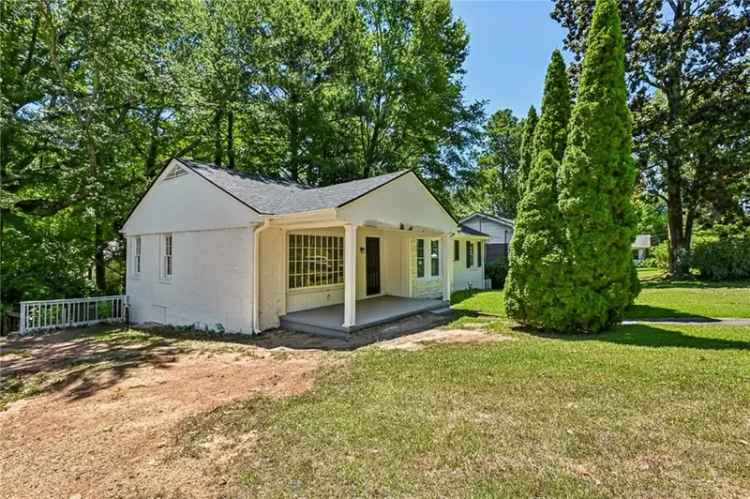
[
  {"x": 274, "y": 197},
  {"x": 472, "y": 232},
  {"x": 496, "y": 218}
]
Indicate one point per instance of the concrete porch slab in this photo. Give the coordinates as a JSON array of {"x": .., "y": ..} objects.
[{"x": 328, "y": 320}]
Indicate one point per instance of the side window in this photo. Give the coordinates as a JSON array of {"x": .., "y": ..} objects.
[
  {"x": 137, "y": 257},
  {"x": 167, "y": 257},
  {"x": 469, "y": 254},
  {"x": 420, "y": 257},
  {"x": 479, "y": 254},
  {"x": 434, "y": 257},
  {"x": 456, "y": 251}
]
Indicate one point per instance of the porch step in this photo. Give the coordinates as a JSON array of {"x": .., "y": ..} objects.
[
  {"x": 442, "y": 311},
  {"x": 319, "y": 330},
  {"x": 320, "y": 322}
]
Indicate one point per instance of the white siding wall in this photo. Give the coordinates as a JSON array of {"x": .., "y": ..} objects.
[
  {"x": 212, "y": 239},
  {"x": 499, "y": 233},
  {"x": 404, "y": 200},
  {"x": 210, "y": 282},
  {"x": 473, "y": 277}
]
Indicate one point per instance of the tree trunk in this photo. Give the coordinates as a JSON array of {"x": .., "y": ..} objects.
[
  {"x": 230, "y": 139},
  {"x": 150, "y": 168},
  {"x": 294, "y": 146},
  {"x": 678, "y": 248},
  {"x": 218, "y": 148},
  {"x": 99, "y": 244}
]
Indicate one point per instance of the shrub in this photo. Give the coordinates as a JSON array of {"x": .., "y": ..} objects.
[
  {"x": 722, "y": 259},
  {"x": 660, "y": 255},
  {"x": 497, "y": 272}
]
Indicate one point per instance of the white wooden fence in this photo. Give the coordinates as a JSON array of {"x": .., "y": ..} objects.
[{"x": 53, "y": 314}]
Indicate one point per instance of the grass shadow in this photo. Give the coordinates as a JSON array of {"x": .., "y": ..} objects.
[
  {"x": 692, "y": 283},
  {"x": 78, "y": 363},
  {"x": 636, "y": 312},
  {"x": 644, "y": 335}
]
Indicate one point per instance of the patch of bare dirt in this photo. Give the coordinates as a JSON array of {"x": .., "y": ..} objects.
[
  {"x": 418, "y": 341},
  {"x": 109, "y": 429}
]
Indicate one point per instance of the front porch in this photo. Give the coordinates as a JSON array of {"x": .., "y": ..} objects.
[{"x": 329, "y": 320}]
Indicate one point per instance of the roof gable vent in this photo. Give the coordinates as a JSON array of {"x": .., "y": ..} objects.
[{"x": 174, "y": 173}]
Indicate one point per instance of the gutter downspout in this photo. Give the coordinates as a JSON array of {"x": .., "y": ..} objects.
[{"x": 256, "y": 273}]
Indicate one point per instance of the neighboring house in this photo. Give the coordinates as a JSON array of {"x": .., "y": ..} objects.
[
  {"x": 499, "y": 230},
  {"x": 641, "y": 246},
  {"x": 214, "y": 248}
]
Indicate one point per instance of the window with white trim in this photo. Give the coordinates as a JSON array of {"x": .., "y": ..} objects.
[
  {"x": 479, "y": 254},
  {"x": 315, "y": 260},
  {"x": 456, "y": 251},
  {"x": 167, "y": 257},
  {"x": 434, "y": 257},
  {"x": 469, "y": 254},
  {"x": 137, "y": 255},
  {"x": 420, "y": 258}
]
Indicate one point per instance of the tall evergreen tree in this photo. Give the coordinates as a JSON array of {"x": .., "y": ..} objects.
[
  {"x": 596, "y": 183},
  {"x": 536, "y": 282},
  {"x": 527, "y": 150},
  {"x": 551, "y": 132}
]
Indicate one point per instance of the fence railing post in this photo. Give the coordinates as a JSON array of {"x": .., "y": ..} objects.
[{"x": 22, "y": 325}]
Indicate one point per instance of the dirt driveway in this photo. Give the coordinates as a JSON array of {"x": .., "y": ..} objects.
[{"x": 108, "y": 404}]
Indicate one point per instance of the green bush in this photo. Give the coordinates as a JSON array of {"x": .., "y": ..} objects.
[
  {"x": 722, "y": 259},
  {"x": 659, "y": 255},
  {"x": 497, "y": 272}
]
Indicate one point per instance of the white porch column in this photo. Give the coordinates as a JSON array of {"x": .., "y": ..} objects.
[
  {"x": 350, "y": 275},
  {"x": 446, "y": 243}
]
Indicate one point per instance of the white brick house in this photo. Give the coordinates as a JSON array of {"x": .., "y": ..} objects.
[{"x": 213, "y": 247}]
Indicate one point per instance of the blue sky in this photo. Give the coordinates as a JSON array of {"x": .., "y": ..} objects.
[{"x": 510, "y": 45}]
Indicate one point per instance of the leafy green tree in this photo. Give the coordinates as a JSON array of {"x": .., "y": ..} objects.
[
  {"x": 491, "y": 188},
  {"x": 527, "y": 150},
  {"x": 536, "y": 279},
  {"x": 596, "y": 184},
  {"x": 686, "y": 65},
  {"x": 407, "y": 91}
]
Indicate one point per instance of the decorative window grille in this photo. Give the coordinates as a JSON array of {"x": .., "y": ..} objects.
[
  {"x": 315, "y": 260},
  {"x": 434, "y": 257},
  {"x": 167, "y": 258},
  {"x": 420, "y": 257}
]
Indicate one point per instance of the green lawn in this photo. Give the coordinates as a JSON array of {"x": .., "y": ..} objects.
[
  {"x": 639, "y": 411},
  {"x": 658, "y": 299}
]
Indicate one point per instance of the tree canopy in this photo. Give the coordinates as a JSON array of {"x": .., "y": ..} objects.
[{"x": 317, "y": 92}]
